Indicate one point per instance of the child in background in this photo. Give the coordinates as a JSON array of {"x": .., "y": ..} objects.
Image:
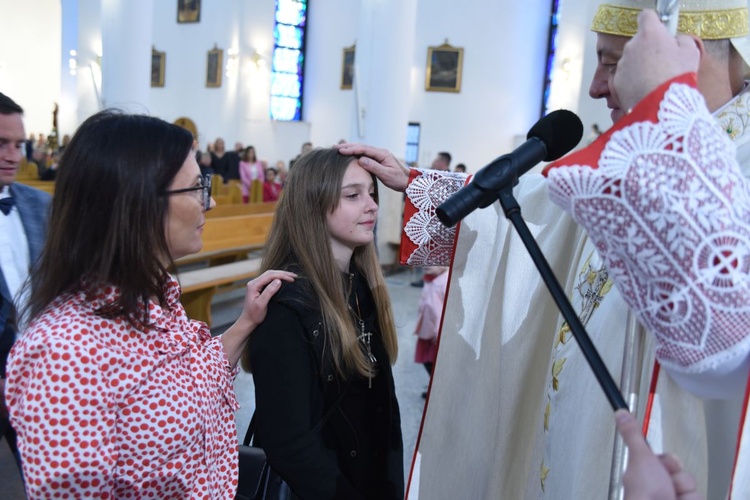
[
  {"x": 271, "y": 188},
  {"x": 430, "y": 314}
]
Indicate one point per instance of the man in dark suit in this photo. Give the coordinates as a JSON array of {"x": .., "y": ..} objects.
[{"x": 23, "y": 224}]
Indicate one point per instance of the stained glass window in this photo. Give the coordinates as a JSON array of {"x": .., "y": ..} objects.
[
  {"x": 287, "y": 69},
  {"x": 412, "y": 143},
  {"x": 551, "y": 52}
]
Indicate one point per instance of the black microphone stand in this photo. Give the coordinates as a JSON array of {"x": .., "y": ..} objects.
[{"x": 513, "y": 213}]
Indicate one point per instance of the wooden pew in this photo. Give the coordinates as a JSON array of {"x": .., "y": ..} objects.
[
  {"x": 233, "y": 237},
  {"x": 222, "y": 199},
  {"x": 227, "y": 241},
  {"x": 225, "y": 194},
  {"x": 236, "y": 231},
  {"x": 240, "y": 209},
  {"x": 199, "y": 286}
]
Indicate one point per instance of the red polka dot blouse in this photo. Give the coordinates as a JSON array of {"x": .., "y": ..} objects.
[{"x": 103, "y": 410}]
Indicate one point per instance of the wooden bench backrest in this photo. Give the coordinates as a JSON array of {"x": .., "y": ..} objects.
[
  {"x": 222, "y": 200},
  {"x": 240, "y": 209},
  {"x": 224, "y": 194},
  {"x": 237, "y": 231},
  {"x": 27, "y": 170}
]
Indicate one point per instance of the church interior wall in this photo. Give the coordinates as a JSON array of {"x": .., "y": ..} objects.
[
  {"x": 503, "y": 70},
  {"x": 331, "y": 110},
  {"x": 500, "y": 97},
  {"x": 30, "y": 62}
]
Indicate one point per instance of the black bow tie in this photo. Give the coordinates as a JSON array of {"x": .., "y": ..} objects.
[{"x": 6, "y": 204}]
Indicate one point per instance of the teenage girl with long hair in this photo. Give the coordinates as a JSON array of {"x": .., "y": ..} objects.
[{"x": 326, "y": 347}]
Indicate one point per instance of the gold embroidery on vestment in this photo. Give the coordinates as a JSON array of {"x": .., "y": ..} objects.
[
  {"x": 592, "y": 285},
  {"x": 707, "y": 25},
  {"x": 734, "y": 118},
  {"x": 543, "y": 473},
  {"x": 562, "y": 334},
  {"x": 557, "y": 367}
]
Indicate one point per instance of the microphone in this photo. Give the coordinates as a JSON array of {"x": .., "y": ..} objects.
[{"x": 549, "y": 139}]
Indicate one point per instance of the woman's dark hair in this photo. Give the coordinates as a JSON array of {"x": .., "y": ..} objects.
[
  {"x": 107, "y": 219},
  {"x": 246, "y": 154}
]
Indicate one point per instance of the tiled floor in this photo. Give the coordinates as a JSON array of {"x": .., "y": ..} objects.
[{"x": 411, "y": 378}]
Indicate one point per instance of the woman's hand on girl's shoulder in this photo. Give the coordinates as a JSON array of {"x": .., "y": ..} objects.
[{"x": 259, "y": 292}]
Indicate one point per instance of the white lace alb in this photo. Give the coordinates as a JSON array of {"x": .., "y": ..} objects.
[
  {"x": 668, "y": 210},
  {"x": 434, "y": 241}
]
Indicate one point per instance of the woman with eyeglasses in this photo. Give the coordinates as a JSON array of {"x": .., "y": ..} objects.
[{"x": 114, "y": 391}]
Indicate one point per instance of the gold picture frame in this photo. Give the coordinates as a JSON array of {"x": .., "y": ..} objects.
[
  {"x": 188, "y": 11},
  {"x": 214, "y": 63},
  {"x": 444, "y": 68},
  {"x": 158, "y": 65},
  {"x": 347, "y": 68}
]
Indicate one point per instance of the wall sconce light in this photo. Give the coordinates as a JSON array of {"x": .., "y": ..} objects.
[
  {"x": 233, "y": 55},
  {"x": 73, "y": 63},
  {"x": 258, "y": 60},
  {"x": 99, "y": 52},
  {"x": 565, "y": 67}
]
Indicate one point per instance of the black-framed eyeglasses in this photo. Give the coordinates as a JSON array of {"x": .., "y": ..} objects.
[{"x": 204, "y": 188}]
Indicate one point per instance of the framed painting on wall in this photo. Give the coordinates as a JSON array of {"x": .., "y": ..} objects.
[
  {"x": 213, "y": 67},
  {"x": 158, "y": 64},
  {"x": 444, "y": 66},
  {"x": 347, "y": 68},
  {"x": 188, "y": 11}
]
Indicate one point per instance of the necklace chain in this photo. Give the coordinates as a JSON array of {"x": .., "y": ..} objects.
[{"x": 363, "y": 337}]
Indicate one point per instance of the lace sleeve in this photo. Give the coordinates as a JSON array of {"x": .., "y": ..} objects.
[
  {"x": 668, "y": 210},
  {"x": 425, "y": 240}
]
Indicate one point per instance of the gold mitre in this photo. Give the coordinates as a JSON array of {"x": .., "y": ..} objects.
[{"x": 706, "y": 19}]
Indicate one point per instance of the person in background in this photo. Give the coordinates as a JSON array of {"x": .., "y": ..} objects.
[
  {"x": 29, "y": 147},
  {"x": 271, "y": 188},
  {"x": 23, "y": 224},
  {"x": 460, "y": 168},
  {"x": 41, "y": 142},
  {"x": 50, "y": 173},
  {"x": 430, "y": 314},
  {"x": 64, "y": 143},
  {"x": 203, "y": 159},
  {"x": 252, "y": 176},
  {"x": 281, "y": 169},
  {"x": 328, "y": 342},
  {"x": 442, "y": 162},
  {"x": 225, "y": 163},
  {"x": 113, "y": 390},
  {"x": 305, "y": 148}
]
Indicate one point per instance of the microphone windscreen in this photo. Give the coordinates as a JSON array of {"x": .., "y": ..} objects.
[{"x": 560, "y": 131}]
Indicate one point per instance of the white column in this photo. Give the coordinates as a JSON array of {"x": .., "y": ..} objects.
[
  {"x": 67, "y": 118},
  {"x": 89, "y": 77},
  {"x": 126, "y": 59},
  {"x": 383, "y": 101},
  {"x": 29, "y": 59}
]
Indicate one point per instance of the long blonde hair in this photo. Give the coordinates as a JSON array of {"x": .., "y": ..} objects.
[{"x": 300, "y": 239}]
